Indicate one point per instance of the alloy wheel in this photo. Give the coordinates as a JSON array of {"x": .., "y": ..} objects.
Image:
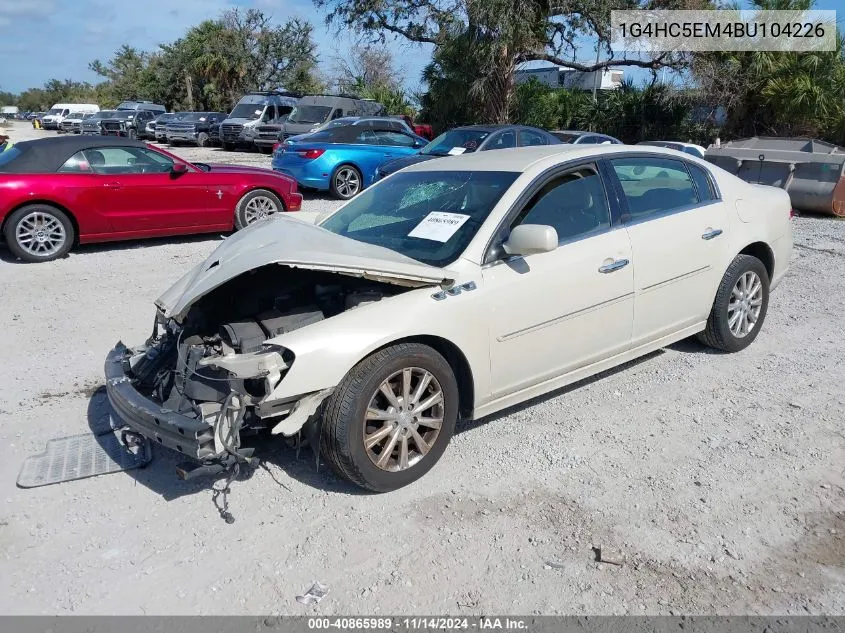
[
  {"x": 745, "y": 304},
  {"x": 347, "y": 182},
  {"x": 259, "y": 208},
  {"x": 40, "y": 234},
  {"x": 403, "y": 419}
]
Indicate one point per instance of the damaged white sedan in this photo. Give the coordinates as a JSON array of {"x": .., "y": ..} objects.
[{"x": 454, "y": 288}]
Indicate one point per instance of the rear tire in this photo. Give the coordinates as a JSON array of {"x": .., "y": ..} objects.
[
  {"x": 202, "y": 139},
  {"x": 374, "y": 443},
  {"x": 740, "y": 306},
  {"x": 132, "y": 134},
  {"x": 39, "y": 233},
  {"x": 347, "y": 182}
]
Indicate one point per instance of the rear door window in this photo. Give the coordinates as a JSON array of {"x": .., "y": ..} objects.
[{"x": 654, "y": 186}]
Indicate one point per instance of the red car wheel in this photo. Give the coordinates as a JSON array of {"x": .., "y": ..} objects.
[
  {"x": 39, "y": 233},
  {"x": 256, "y": 205}
]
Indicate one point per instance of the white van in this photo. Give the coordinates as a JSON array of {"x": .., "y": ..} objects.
[{"x": 55, "y": 115}]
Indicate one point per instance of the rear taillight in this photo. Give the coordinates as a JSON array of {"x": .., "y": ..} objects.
[
  {"x": 310, "y": 154},
  {"x": 792, "y": 213},
  {"x": 294, "y": 201},
  {"x": 276, "y": 146}
]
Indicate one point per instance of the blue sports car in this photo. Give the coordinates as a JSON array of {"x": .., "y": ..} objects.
[{"x": 343, "y": 160}]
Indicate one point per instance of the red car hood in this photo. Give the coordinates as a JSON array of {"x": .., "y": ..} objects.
[
  {"x": 244, "y": 169},
  {"x": 241, "y": 169}
]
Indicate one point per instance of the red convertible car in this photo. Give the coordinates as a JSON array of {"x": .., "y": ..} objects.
[{"x": 56, "y": 192}]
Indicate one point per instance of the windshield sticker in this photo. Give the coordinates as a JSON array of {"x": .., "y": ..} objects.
[
  {"x": 439, "y": 226},
  {"x": 259, "y": 111},
  {"x": 455, "y": 151}
]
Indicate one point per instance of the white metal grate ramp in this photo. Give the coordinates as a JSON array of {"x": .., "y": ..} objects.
[{"x": 78, "y": 457}]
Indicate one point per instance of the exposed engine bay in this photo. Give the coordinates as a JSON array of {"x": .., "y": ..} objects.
[{"x": 215, "y": 365}]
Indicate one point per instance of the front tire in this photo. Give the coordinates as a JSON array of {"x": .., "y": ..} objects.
[
  {"x": 391, "y": 418},
  {"x": 256, "y": 205},
  {"x": 346, "y": 182},
  {"x": 202, "y": 139},
  {"x": 740, "y": 306},
  {"x": 132, "y": 134},
  {"x": 39, "y": 233}
]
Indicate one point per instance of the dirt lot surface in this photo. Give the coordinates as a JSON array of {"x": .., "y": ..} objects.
[{"x": 717, "y": 481}]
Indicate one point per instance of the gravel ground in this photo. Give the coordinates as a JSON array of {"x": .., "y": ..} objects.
[{"x": 716, "y": 480}]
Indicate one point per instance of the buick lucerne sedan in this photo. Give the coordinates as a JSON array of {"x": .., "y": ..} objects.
[
  {"x": 60, "y": 191},
  {"x": 455, "y": 287}
]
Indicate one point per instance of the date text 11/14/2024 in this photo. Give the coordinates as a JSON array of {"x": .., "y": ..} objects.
[{"x": 423, "y": 623}]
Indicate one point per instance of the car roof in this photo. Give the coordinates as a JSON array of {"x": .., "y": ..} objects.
[
  {"x": 582, "y": 133},
  {"x": 681, "y": 143},
  {"x": 386, "y": 119},
  {"x": 522, "y": 159},
  {"x": 487, "y": 128},
  {"x": 46, "y": 155}
]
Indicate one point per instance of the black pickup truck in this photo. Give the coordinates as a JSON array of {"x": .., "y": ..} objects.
[
  {"x": 128, "y": 123},
  {"x": 193, "y": 128},
  {"x": 268, "y": 134}
]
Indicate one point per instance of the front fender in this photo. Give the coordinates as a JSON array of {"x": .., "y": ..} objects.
[{"x": 325, "y": 352}]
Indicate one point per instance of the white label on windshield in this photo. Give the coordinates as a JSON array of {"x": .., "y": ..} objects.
[
  {"x": 439, "y": 226},
  {"x": 455, "y": 151},
  {"x": 259, "y": 111}
]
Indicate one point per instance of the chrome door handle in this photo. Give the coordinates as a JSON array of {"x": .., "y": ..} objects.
[
  {"x": 615, "y": 265},
  {"x": 709, "y": 235}
]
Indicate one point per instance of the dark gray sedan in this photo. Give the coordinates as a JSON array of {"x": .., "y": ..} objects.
[{"x": 471, "y": 138}]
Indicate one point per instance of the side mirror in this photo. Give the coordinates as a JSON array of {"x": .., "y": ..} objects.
[
  {"x": 179, "y": 168},
  {"x": 527, "y": 239}
]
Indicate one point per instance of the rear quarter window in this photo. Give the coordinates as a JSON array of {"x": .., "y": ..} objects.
[
  {"x": 703, "y": 182},
  {"x": 654, "y": 186}
]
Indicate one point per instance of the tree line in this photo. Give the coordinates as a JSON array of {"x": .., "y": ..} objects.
[{"x": 477, "y": 48}]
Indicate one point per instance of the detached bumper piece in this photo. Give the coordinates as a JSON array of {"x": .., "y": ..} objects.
[{"x": 188, "y": 436}]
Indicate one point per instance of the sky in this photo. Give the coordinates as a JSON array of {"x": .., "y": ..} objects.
[{"x": 45, "y": 39}]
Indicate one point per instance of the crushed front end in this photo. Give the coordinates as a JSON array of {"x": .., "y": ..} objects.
[
  {"x": 190, "y": 393},
  {"x": 201, "y": 382}
]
